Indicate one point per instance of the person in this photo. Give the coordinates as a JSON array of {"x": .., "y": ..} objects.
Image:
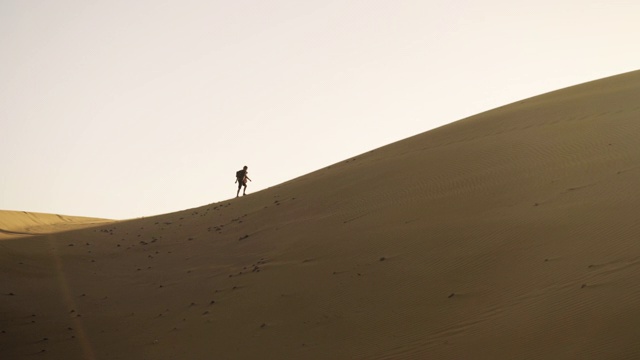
[{"x": 241, "y": 179}]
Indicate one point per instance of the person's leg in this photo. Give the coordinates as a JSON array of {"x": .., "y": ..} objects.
[
  {"x": 244, "y": 192},
  {"x": 239, "y": 186}
]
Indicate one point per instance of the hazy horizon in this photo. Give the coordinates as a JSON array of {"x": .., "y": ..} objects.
[{"x": 129, "y": 109}]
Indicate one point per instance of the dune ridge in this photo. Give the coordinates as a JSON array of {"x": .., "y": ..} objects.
[
  {"x": 23, "y": 223},
  {"x": 511, "y": 234}
]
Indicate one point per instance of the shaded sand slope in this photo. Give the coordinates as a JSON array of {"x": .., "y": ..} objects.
[
  {"x": 22, "y": 223},
  {"x": 512, "y": 234}
]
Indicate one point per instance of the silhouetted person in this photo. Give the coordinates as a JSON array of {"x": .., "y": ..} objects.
[{"x": 241, "y": 179}]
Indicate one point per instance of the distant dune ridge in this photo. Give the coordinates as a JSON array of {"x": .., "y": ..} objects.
[
  {"x": 512, "y": 234},
  {"x": 22, "y": 223}
]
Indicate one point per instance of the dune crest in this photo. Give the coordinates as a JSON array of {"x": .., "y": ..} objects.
[
  {"x": 512, "y": 234},
  {"x": 22, "y": 223}
]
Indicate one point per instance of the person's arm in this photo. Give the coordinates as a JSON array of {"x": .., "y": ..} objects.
[{"x": 248, "y": 178}]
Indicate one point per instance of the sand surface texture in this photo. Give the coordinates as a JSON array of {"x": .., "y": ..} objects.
[{"x": 512, "y": 234}]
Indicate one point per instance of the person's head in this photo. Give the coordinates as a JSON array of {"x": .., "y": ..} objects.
[{"x": 245, "y": 167}]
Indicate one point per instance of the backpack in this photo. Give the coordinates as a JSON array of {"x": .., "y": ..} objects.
[{"x": 240, "y": 175}]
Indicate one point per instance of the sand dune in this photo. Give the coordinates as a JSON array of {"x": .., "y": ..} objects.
[
  {"x": 512, "y": 234},
  {"x": 22, "y": 223}
]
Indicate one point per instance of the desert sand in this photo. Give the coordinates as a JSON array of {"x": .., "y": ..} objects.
[
  {"x": 22, "y": 223},
  {"x": 512, "y": 234}
]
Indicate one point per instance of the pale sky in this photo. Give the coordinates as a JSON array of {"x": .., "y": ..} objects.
[{"x": 130, "y": 108}]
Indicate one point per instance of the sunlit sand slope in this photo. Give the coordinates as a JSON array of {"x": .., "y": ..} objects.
[
  {"x": 22, "y": 223},
  {"x": 512, "y": 234}
]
